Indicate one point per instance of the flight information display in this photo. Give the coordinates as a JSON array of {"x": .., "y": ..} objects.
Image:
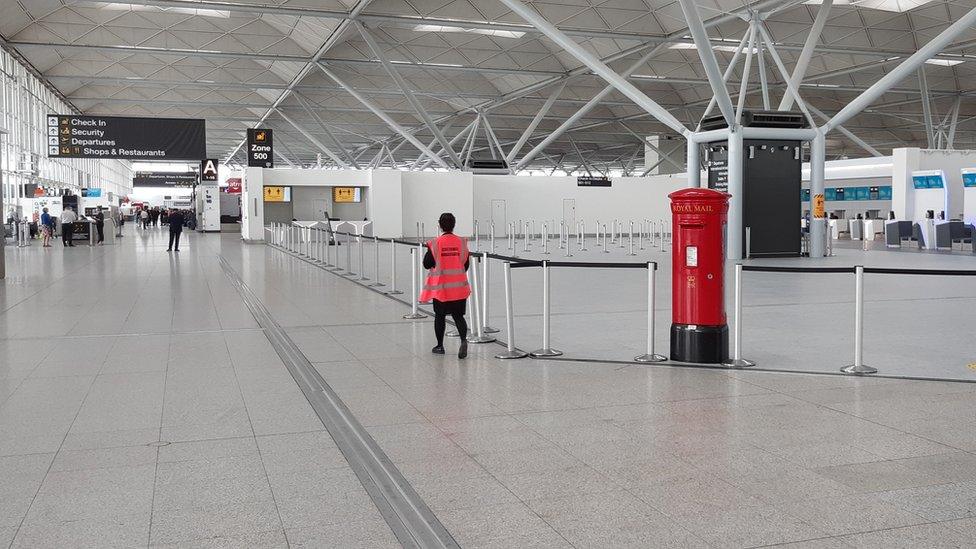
[{"x": 126, "y": 138}]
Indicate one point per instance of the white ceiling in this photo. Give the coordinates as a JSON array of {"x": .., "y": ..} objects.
[{"x": 229, "y": 63}]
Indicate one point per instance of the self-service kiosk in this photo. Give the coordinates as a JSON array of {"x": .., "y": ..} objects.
[{"x": 699, "y": 330}]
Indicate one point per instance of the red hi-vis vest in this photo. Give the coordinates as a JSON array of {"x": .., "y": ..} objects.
[{"x": 447, "y": 281}]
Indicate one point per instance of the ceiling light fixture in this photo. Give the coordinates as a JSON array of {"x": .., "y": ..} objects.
[
  {"x": 488, "y": 32},
  {"x": 944, "y": 62},
  {"x": 884, "y": 5}
]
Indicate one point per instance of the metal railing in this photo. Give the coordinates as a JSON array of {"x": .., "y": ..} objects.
[{"x": 857, "y": 367}]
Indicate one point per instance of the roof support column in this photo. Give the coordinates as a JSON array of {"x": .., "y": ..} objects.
[
  {"x": 923, "y": 86},
  {"x": 597, "y": 66},
  {"x": 818, "y": 161},
  {"x": 385, "y": 117},
  {"x": 800, "y": 70},
  {"x": 707, "y": 55},
  {"x": 951, "y": 138},
  {"x": 905, "y": 68}
]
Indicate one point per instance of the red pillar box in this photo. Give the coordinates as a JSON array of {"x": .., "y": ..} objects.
[{"x": 699, "y": 331}]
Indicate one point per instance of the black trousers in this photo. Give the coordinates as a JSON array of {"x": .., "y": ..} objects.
[
  {"x": 100, "y": 227},
  {"x": 174, "y": 239},
  {"x": 67, "y": 229},
  {"x": 454, "y": 308}
]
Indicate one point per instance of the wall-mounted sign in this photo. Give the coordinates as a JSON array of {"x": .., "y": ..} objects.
[
  {"x": 342, "y": 195},
  {"x": 590, "y": 181},
  {"x": 233, "y": 185},
  {"x": 161, "y": 179},
  {"x": 91, "y": 193},
  {"x": 277, "y": 194},
  {"x": 969, "y": 177},
  {"x": 930, "y": 179},
  {"x": 71, "y": 136},
  {"x": 208, "y": 170},
  {"x": 260, "y": 148}
]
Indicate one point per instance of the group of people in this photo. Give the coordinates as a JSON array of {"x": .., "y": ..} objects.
[{"x": 68, "y": 219}]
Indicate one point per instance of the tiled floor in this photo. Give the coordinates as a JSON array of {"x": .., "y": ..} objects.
[{"x": 140, "y": 405}]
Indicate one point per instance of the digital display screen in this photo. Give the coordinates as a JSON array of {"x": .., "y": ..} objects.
[
  {"x": 928, "y": 181},
  {"x": 277, "y": 194},
  {"x": 346, "y": 195},
  {"x": 862, "y": 193},
  {"x": 879, "y": 192},
  {"x": 969, "y": 179}
]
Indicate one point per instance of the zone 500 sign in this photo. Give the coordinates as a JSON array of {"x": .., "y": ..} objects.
[{"x": 260, "y": 148}]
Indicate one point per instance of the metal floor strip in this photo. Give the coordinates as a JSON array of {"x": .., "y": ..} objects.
[{"x": 412, "y": 521}]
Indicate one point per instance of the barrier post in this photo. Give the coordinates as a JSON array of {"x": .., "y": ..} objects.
[
  {"x": 477, "y": 237},
  {"x": 569, "y": 249},
  {"x": 393, "y": 269},
  {"x": 605, "y": 250},
  {"x": 423, "y": 233},
  {"x": 546, "y": 349},
  {"x": 511, "y": 235},
  {"x": 479, "y": 333},
  {"x": 414, "y": 313},
  {"x": 640, "y": 236},
  {"x": 545, "y": 238},
  {"x": 376, "y": 263},
  {"x": 512, "y": 352},
  {"x": 631, "y": 238},
  {"x": 650, "y": 355},
  {"x": 418, "y": 231},
  {"x": 485, "y": 282},
  {"x": 858, "y": 368},
  {"x": 737, "y": 361},
  {"x": 362, "y": 262},
  {"x": 349, "y": 271},
  {"x": 491, "y": 235},
  {"x": 525, "y": 237},
  {"x": 582, "y": 239},
  {"x": 664, "y": 248}
]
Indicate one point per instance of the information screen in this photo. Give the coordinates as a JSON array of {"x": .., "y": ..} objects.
[
  {"x": 76, "y": 136},
  {"x": 346, "y": 195},
  {"x": 928, "y": 181},
  {"x": 277, "y": 194},
  {"x": 969, "y": 178}
]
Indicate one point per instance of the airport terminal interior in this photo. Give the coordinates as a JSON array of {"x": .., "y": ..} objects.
[{"x": 488, "y": 274}]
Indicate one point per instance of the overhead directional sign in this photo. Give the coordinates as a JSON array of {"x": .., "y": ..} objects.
[
  {"x": 75, "y": 136},
  {"x": 208, "y": 170},
  {"x": 260, "y": 148},
  {"x": 163, "y": 179},
  {"x": 593, "y": 181}
]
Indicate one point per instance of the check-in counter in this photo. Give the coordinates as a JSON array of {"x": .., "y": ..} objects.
[
  {"x": 926, "y": 234},
  {"x": 873, "y": 227},
  {"x": 856, "y": 228},
  {"x": 949, "y": 232}
]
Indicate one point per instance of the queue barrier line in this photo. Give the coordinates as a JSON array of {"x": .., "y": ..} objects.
[{"x": 858, "y": 367}]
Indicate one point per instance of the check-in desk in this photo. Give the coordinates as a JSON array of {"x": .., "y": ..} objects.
[
  {"x": 897, "y": 232},
  {"x": 949, "y": 232},
  {"x": 873, "y": 227},
  {"x": 925, "y": 233},
  {"x": 856, "y": 228},
  {"x": 838, "y": 227}
]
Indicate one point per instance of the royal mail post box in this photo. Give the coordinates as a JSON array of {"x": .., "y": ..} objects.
[{"x": 699, "y": 330}]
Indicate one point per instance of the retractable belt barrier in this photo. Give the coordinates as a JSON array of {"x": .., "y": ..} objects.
[{"x": 858, "y": 367}]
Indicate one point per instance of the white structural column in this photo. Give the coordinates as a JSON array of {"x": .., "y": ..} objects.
[
  {"x": 900, "y": 72},
  {"x": 385, "y": 117},
  {"x": 535, "y": 122},
  {"x": 252, "y": 205},
  {"x": 597, "y": 66},
  {"x": 734, "y": 244},
  {"x": 800, "y": 70},
  {"x": 818, "y": 225},
  {"x": 707, "y": 55},
  {"x": 694, "y": 163},
  {"x": 408, "y": 93},
  {"x": 746, "y": 73},
  {"x": 335, "y": 158},
  {"x": 923, "y": 86},
  {"x": 572, "y": 120}
]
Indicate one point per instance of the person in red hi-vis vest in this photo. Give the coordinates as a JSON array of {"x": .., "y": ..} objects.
[{"x": 447, "y": 282}]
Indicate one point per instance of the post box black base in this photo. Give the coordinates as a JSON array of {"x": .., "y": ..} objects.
[{"x": 700, "y": 344}]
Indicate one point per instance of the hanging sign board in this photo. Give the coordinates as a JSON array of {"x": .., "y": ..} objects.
[
  {"x": 208, "y": 170},
  {"x": 260, "y": 148},
  {"x": 590, "y": 181},
  {"x": 277, "y": 194},
  {"x": 341, "y": 195},
  {"x": 75, "y": 136},
  {"x": 161, "y": 179}
]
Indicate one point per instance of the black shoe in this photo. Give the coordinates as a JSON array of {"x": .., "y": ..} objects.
[
  {"x": 169, "y": 249},
  {"x": 438, "y": 350},
  {"x": 463, "y": 351}
]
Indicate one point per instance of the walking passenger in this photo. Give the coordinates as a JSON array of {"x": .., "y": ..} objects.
[
  {"x": 446, "y": 260},
  {"x": 144, "y": 217},
  {"x": 175, "y": 230}
]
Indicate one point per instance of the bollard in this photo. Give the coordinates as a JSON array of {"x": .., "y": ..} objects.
[
  {"x": 376, "y": 263},
  {"x": 362, "y": 263},
  {"x": 485, "y": 283},
  {"x": 546, "y": 349},
  {"x": 605, "y": 250},
  {"x": 650, "y": 356},
  {"x": 737, "y": 361},
  {"x": 393, "y": 269},
  {"x": 631, "y": 239},
  {"x": 479, "y": 335},
  {"x": 349, "y": 257},
  {"x": 545, "y": 238},
  {"x": 858, "y": 368},
  {"x": 414, "y": 313},
  {"x": 512, "y": 352}
]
